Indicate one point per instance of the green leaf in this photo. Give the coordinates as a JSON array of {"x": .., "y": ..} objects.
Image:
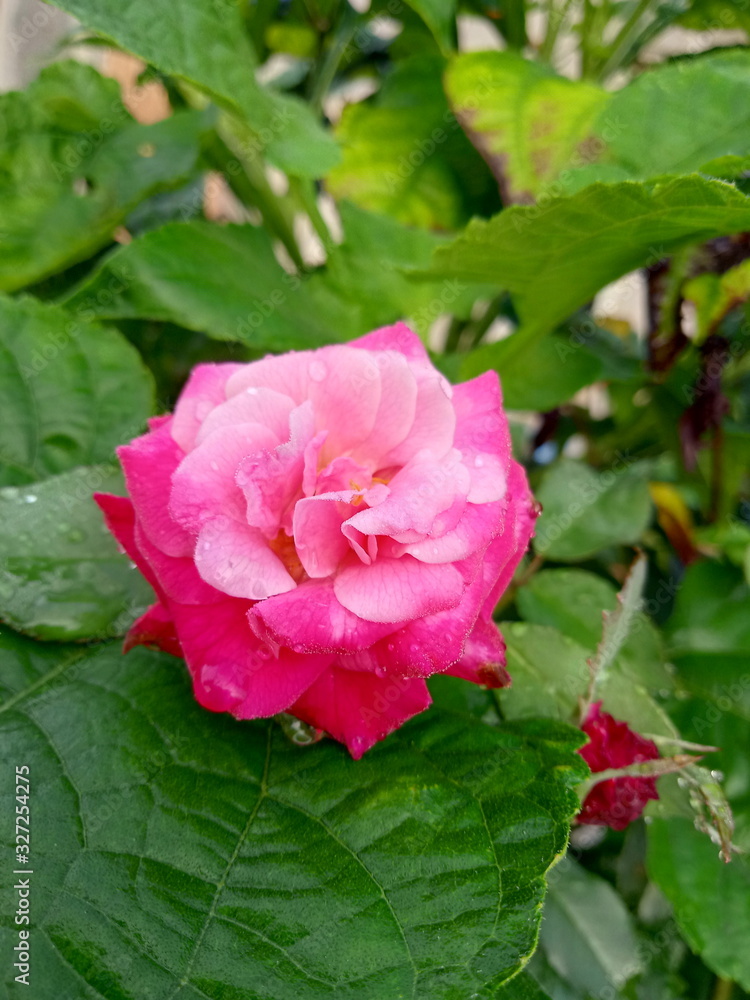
[
  {"x": 206, "y": 45},
  {"x": 714, "y": 295},
  {"x": 574, "y": 600},
  {"x": 73, "y": 164},
  {"x": 404, "y": 153},
  {"x": 546, "y": 135},
  {"x": 712, "y": 612},
  {"x": 587, "y": 933},
  {"x": 440, "y": 18},
  {"x": 585, "y": 510},
  {"x": 553, "y": 369},
  {"x": 199, "y": 855},
  {"x": 61, "y": 574},
  {"x": 528, "y": 123},
  {"x": 70, "y": 391},
  {"x": 709, "y": 897},
  {"x": 521, "y": 987},
  {"x": 549, "y": 673},
  {"x": 553, "y": 260},
  {"x": 196, "y": 275}
]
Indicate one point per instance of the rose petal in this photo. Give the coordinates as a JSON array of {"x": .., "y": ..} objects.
[
  {"x": 311, "y": 620},
  {"x": 317, "y": 532},
  {"x": 204, "y": 390},
  {"x": 236, "y": 560},
  {"x": 483, "y": 660},
  {"x": 204, "y": 485},
  {"x": 154, "y": 628},
  {"x": 359, "y": 708},
  {"x": 253, "y": 406},
  {"x": 392, "y": 590},
  {"x": 149, "y": 463},
  {"x": 232, "y": 670}
]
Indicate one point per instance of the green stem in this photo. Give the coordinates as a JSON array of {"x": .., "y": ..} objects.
[
  {"x": 456, "y": 328},
  {"x": 278, "y": 216},
  {"x": 555, "y": 21},
  {"x": 482, "y": 325},
  {"x": 620, "y": 46},
  {"x": 328, "y": 66},
  {"x": 586, "y": 56},
  {"x": 723, "y": 989},
  {"x": 304, "y": 188}
]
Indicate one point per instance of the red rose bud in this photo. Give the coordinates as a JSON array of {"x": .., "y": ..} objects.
[{"x": 615, "y": 802}]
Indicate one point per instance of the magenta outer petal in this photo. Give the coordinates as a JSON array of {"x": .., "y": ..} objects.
[
  {"x": 358, "y": 708},
  {"x": 149, "y": 463},
  {"x": 311, "y": 620},
  {"x": 232, "y": 670},
  {"x": 483, "y": 661}
]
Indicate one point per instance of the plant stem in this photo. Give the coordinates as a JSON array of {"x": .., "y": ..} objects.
[
  {"x": 329, "y": 64},
  {"x": 555, "y": 21},
  {"x": 620, "y": 45},
  {"x": 723, "y": 989}
]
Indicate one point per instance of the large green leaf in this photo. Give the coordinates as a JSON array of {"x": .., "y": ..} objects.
[
  {"x": 70, "y": 391},
  {"x": 574, "y": 601},
  {"x": 404, "y": 153},
  {"x": 192, "y": 855},
  {"x": 709, "y": 896},
  {"x": 225, "y": 281},
  {"x": 554, "y": 259},
  {"x": 545, "y": 135},
  {"x": 61, "y": 573},
  {"x": 552, "y": 370},
  {"x": 73, "y": 164},
  {"x": 585, "y": 510},
  {"x": 206, "y": 44},
  {"x": 587, "y": 934},
  {"x": 528, "y": 123}
]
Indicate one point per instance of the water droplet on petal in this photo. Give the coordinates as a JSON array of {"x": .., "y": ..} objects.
[
  {"x": 379, "y": 671},
  {"x": 391, "y": 647},
  {"x": 251, "y": 390},
  {"x": 317, "y": 371},
  {"x": 479, "y": 461},
  {"x": 215, "y": 466}
]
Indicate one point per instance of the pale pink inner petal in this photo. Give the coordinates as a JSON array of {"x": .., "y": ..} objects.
[
  {"x": 285, "y": 373},
  {"x": 236, "y": 560},
  {"x": 344, "y": 387},
  {"x": 478, "y": 525},
  {"x": 318, "y": 538},
  {"x": 396, "y": 411},
  {"x": 272, "y": 480},
  {"x": 434, "y": 420},
  {"x": 392, "y": 590},
  {"x": 253, "y": 406},
  {"x": 417, "y": 494},
  {"x": 204, "y": 485},
  {"x": 205, "y": 389}
]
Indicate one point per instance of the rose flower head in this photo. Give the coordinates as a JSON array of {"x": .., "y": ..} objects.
[
  {"x": 615, "y": 802},
  {"x": 323, "y": 530}
]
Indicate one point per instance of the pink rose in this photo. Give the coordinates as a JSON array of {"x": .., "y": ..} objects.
[
  {"x": 612, "y": 744},
  {"x": 325, "y": 529}
]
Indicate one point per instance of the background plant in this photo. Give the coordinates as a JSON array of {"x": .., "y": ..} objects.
[{"x": 367, "y": 168}]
